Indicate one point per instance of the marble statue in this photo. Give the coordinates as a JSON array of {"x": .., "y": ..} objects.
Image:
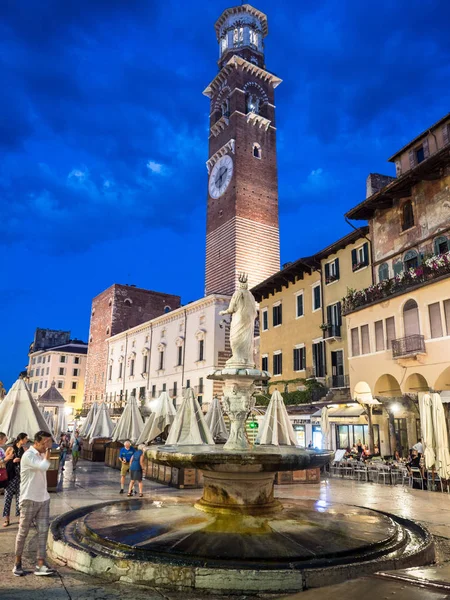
[{"x": 242, "y": 309}]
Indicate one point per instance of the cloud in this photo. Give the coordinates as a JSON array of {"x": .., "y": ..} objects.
[{"x": 155, "y": 167}]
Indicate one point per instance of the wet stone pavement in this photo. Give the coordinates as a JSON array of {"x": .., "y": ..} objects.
[{"x": 94, "y": 483}]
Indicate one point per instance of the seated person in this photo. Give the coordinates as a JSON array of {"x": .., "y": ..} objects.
[
  {"x": 414, "y": 460},
  {"x": 348, "y": 453},
  {"x": 376, "y": 450}
]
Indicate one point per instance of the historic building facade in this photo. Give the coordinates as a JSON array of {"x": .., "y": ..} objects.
[
  {"x": 399, "y": 328},
  {"x": 302, "y": 329},
  {"x": 242, "y": 207},
  {"x": 65, "y": 365},
  {"x": 169, "y": 353},
  {"x": 118, "y": 308}
]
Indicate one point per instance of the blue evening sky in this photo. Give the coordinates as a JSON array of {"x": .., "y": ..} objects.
[{"x": 104, "y": 129}]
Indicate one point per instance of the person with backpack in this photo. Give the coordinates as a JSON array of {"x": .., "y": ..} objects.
[
  {"x": 13, "y": 470},
  {"x": 76, "y": 450}
]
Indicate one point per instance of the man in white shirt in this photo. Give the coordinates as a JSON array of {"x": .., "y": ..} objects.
[
  {"x": 419, "y": 447},
  {"x": 34, "y": 501}
]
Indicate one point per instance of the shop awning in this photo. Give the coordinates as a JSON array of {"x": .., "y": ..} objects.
[{"x": 342, "y": 411}]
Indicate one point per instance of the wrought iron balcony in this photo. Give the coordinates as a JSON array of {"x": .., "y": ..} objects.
[
  {"x": 331, "y": 331},
  {"x": 408, "y": 346},
  {"x": 338, "y": 381},
  {"x": 314, "y": 372}
]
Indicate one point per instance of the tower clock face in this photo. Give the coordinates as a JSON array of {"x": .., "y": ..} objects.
[{"x": 220, "y": 176}]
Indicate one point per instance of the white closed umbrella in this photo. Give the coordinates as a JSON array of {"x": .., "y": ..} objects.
[
  {"x": 426, "y": 421},
  {"x": 21, "y": 413},
  {"x": 163, "y": 416},
  {"x": 189, "y": 426},
  {"x": 102, "y": 426},
  {"x": 60, "y": 422},
  {"x": 215, "y": 421},
  {"x": 85, "y": 428},
  {"x": 130, "y": 424},
  {"x": 276, "y": 429},
  {"x": 442, "y": 461},
  {"x": 325, "y": 427}
]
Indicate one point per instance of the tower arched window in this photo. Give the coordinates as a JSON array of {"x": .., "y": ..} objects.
[
  {"x": 254, "y": 39},
  {"x": 238, "y": 37},
  {"x": 252, "y": 103},
  {"x": 411, "y": 321},
  {"x": 411, "y": 260},
  {"x": 225, "y": 108},
  {"x": 407, "y": 215},
  {"x": 257, "y": 150}
]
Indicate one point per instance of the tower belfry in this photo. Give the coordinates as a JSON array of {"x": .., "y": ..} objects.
[{"x": 242, "y": 215}]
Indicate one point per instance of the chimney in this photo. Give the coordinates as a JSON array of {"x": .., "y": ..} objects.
[{"x": 375, "y": 182}]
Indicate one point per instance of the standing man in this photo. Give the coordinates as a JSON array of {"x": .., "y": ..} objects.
[
  {"x": 34, "y": 501},
  {"x": 125, "y": 456},
  {"x": 76, "y": 449}
]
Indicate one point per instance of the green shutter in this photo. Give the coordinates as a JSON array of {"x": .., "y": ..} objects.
[
  {"x": 327, "y": 272},
  {"x": 354, "y": 259},
  {"x": 337, "y": 268},
  {"x": 366, "y": 253},
  {"x": 398, "y": 267}
]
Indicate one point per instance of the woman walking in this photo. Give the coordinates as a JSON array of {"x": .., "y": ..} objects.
[
  {"x": 63, "y": 449},
  {"x": 136, "y": 469},
  {"x": 13, "y": 468}
]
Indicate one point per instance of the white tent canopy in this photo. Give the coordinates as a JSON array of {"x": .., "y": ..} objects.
[
  {"x": 130, "y": 424},
  {"x": 21, "y": 413},
  {"x": 102, "y": 426},
  {"x": 442, "y": 462},
  {"x": 60, "y": 423},
  {"x": 276, "y": 429},
  {"x": 426, "y": 422},
  {"x": 215, "y": 421},
  {"x": 85, "y": 428},
  {"x": 164, "y": 415},
  {"x": 189, "y": 426}
]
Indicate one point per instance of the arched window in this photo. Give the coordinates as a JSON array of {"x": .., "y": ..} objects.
[
  {"x": 225, "y": 108},
  {"x": 383, "y": 272},
  {"x": 257, "y": 150},
  {"x": 411, "y": 318},
  {"x": 441, "y": 245},
  {"x": 407, "y": 215},
  {"x": 411, "y": 260},
  {"x": 128, "y": 302},
  {"x": 167, "y": 309},
  {"x": 252, "y": 103}
]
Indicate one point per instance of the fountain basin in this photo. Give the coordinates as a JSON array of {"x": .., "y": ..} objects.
[{"x": 239, "y": 482}]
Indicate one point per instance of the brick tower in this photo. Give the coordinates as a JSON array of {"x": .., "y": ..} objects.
[{"x": 242, "y": 215}]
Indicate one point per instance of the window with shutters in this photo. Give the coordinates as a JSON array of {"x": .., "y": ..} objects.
[
  {"x": 277, "y": 363},
  {"x": 277, "y": 315},
  {"x": 265, "y": 319},
  {"x": 441, "y": 245},
  {"x": 383, "y": 272},
  {"x": 447, "y": 315},
  {"x": 365, "y": 339},
  {"x": 334, "y": 321},
  {"x": 300, "y": 358},
  {"x": 360, "y": 257},
  {"x": 332, "y": 271},
  {"x": 316, "y": 297},
  {"x": 407, "y": 215},
  {"x": 434, "y": 311},
  {"x": 299, "y": 306},
  {"x": 398, "y": 267},
  {"x": 420, "y": 155},
  {"x": 264, "y": 362},
  {"x": 411, "y": 260},
  {"x": 379, "y": 336},
  {"x": 355, "y": 341}
]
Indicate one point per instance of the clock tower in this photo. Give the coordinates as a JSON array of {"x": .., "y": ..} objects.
[{"x": 242, "y": 231}]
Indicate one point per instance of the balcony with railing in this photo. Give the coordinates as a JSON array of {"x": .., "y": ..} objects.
[
  {"x": 408, "y": 346},
  {"x": 338, "y": 381},
  {"x": 331, "y": 331},
  {"x": 432, "y": 269}
]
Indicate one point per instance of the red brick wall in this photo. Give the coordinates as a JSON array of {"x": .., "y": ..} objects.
[{"x": 112, "y": 313}]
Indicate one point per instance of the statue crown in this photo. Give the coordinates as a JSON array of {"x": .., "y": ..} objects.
[{"x": 243, "y": 278}]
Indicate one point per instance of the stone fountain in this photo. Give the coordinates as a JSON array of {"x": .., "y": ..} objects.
[{"x": 237, "y": 537}]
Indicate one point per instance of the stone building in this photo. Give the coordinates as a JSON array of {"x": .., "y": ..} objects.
[
  {"x": 399, "y": 328},
  {"x": 118, "y": 308},
  {"x": 242, "y": 211},
  {"x": 65, "y": 365},
  {"x": 303, "y": 335},
  {"x": 171, "y": 352}
]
